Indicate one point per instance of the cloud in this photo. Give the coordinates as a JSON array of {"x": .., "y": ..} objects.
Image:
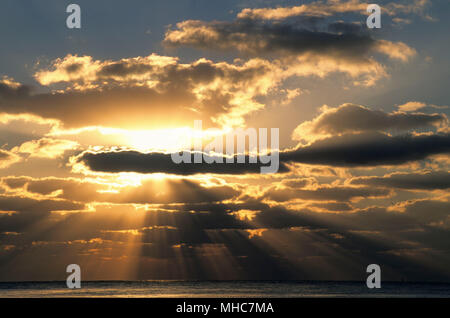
[
  {"x": 310, "y": 44},
  {"x": 157, "y": 89},
  {"x": 395, "y": 50},
  {"x": 348, "y": 150},
  {"x": 348, "y": 42},
  {"x": 428, "y": 180},
  {"x": 273, "y": 32},
  {"x": 413, "y": 7},
  {"x": 254, "y": 38},
  {"x": 324, "y": 193},
  {"x": 356, "y": 118},
  {"x": 401, "y": 21},
  {"x": 410, "y": 215},
  {"x": 334, "y": 206},
  {"x": 17, "y": 129},
  {"x": 369, "y": 149},
  {"x": 429, "y": 212},
  {"x": 411, "y": 106},
  {"x": 329, "y": 8},
  {"x": 156, "y": 162},
  {"x": 228, "y": 223},
  {"x": 277, "y": 236},
  {"x": 152, "y": 89},
  {"x": 23, "y": 212},
  {"x": 7, "y": 158},
  {"x": 10, "y": 88},
  {"x": 94, "y": 107},
  {"x": 84, "y": 70},
  {"x": 354, "y": 135},
  {"x": 46, "y": 148},
  {"x": 29, "y": 205},
  {"x": 146, "y": 192},
  {"x": 315, "y": 9}
]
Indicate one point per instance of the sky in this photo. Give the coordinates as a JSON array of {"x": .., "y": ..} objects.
[{"x": 89, "y": 118}]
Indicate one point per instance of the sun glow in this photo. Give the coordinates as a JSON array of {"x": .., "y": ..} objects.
[
  {"x": 167, "y": 140},
  {"x": 162, "y": 139}
]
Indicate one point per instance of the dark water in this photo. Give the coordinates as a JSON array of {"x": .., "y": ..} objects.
[{"x": 222, "y": 289}]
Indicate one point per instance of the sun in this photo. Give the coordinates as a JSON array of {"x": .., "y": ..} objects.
[{"x": 166, "y": 140}]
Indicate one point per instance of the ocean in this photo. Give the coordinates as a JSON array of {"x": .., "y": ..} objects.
[{"x": 221, "y": 289}]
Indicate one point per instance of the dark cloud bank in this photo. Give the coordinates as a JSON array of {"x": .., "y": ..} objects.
[{"x": 366, "y": 149}]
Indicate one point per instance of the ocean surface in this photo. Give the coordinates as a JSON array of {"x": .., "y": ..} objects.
[{"x": 222, "y": 289}]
